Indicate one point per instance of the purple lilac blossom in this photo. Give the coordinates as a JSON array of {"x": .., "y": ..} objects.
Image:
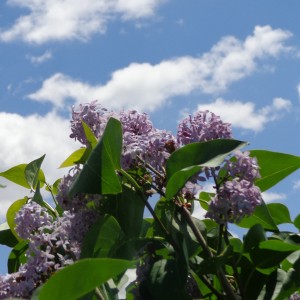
[
  {"x": 95, "y": 116},
  {"x": 78, "y": 201},
  {"x": 158, "y": 150},
  {"x": 203, "y": 126},
  {"x": 234, "y": 200},
  {"x": 244, "y": 167},
  {"x": 52, "y": 246}
]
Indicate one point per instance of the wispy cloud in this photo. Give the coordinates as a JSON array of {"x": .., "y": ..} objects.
[
  {"x": 147, "y": 87},
  {"x": 245, "y": 115},
  {"x": 47, "y": 55},
  {"x": 50, "y": 20}
]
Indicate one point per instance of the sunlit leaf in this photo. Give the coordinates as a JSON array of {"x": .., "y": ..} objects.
[
  {"x": 83, "y": 276},
  {"x": 11, "y": 214},
  {"x": 98, "y": 175},
  {"x": 189, "y": 160},
  {"x": 32, "y": 172},
  {"x": 274, "y": 167}
]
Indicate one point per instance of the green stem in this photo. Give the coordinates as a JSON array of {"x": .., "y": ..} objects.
[{"x": 50, "y": 189}]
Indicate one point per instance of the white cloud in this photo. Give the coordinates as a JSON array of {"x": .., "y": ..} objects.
[
  {"x": 47, "y": 55},
  {"x": 296, "y": 184},
  {"x": 272, "y": 197},
  {"x": 26, "y": 139},
  {"x": 72, "y": 19},
  {"x": 244, "y": 114},
  {"x": 146, "y": 87}
]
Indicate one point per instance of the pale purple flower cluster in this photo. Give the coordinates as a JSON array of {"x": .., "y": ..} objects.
[
  {"x": 203, "y": 126},
  {"x": 140, "y": 138},
  {"x": 237, "y": 196},
  {"x": 244, "y": 167},
  {"x": 52, "y": 245},
  {"x": 93, "y": 115},
  {"x": 234, "y": 200}
]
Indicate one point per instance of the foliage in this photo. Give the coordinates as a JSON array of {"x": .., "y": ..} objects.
[{"x": 99, "y": 225}]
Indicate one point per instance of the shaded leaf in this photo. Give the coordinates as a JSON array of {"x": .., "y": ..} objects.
[
  {"x": 7, "y": 238},
  {"x": 101, "y": 238},
  {"x": 17, "y": 257}
]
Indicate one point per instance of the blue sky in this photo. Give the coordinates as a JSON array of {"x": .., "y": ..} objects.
[{"x": 240, "y": 59}]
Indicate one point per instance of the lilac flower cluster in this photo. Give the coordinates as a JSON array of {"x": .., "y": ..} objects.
[
  {"x": 93, "y": 115},
  {"x": 234, "y": 200},
  {"x": 238, "y": 195},
  {"x": 203, "y": 126},
  {"x": 140, "y": 138},
  {"x": 51, "y": 246}
]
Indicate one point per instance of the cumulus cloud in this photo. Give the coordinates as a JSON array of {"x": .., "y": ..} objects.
[
  {"x": 273, "y": 197},
  {"x": 47, "y": 55},
  {"x": 50, "y": 20},
  {"x": 296, "y": 184},
  {"x": 146, "y": 86},
  {"x": 28, "y": 138},
  {"x": 245, "y": 115}
]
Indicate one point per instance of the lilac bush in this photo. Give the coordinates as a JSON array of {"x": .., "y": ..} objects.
[{"x": 55, "y": 237}]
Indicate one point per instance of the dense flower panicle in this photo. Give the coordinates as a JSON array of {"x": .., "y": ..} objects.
[
  {"x": 77, "y": 201},
  {"x": 160, "y": 145},
  {"x": 95, "y": 116},
  {"x": 135, "y": 122},
  {"x": 204, "y": 126},
  {"x": 30, "y": 219},
  {"x": 244, "y": 167},
  {"x": 234, "y": 200},
  {"x": 52, "y": 246}
]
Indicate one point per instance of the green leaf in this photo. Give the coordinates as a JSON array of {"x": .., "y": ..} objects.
[
  {"x": 254, "y": 236},
  {"x": 79, "y": 156},
  {"x": 89, "y": 135},
  {"x": 188, "y": 160},
  {"x": 297, "y": 222},
  {"x": 101, "y": 238},
  {"x": 205, "y": 198},
  {"x": 272, "y": 252},
  {"x": 210, "y": 154},
  {"x": 128, "y": 208},
  {"x": 280, "y": 213},
  {"x": 291, "y": 282},
  {"x": 98, "y": 175},
  {"x": 83, "y": 276},
  {"x": 273, "y": 285},
  {"x": 17, "y": 257},
  {"x": 166, "y": 281},
  {"x": 278, "y": 245},
  {"x": 274, "y": 167},
  {"x": 32, "y": 172},
  {"x": 260, "y": 216},
  {"x": 11, "y": 214},
  {"x": 7, "y": 238}
]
